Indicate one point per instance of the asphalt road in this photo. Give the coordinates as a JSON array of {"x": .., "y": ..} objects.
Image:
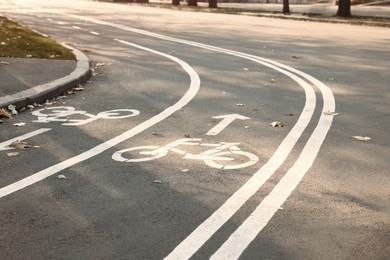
[{"x": 169, "y": 153}]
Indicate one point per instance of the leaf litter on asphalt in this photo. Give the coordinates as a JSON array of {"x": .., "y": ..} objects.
[
  {"x": 361, "y": 138},
  {"x": 277, "y": 124},
  {"x": 19, "y": 145},
  {"x": 5, "y": 113}
]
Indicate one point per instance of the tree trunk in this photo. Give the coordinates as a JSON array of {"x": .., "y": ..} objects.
[
  {"x": 176, "y": 2},
  {"x": 213, "y": 3},
  {"x": 192, "y": 2},
  {"x": 286, "y": 7},
  {"x": 344, "y": 8}
]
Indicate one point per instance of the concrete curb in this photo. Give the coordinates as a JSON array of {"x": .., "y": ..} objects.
[{"x": 41, "y": 93}]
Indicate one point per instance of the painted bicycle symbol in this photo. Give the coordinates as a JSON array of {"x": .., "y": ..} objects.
[
  {"x": 65, "y": 114},
  {"x": 220, "y": 156}
]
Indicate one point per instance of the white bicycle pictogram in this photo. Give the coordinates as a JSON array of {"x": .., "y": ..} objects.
[
  {"x": 64, "y": 114},
  {"x": 216, "y": 157}
]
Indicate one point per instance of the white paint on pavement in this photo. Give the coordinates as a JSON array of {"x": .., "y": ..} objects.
[
  {"x": 226, "y": 120},
  {"x": 201, "y": 234},
  {"x": 188, "y": 96},
  {"x": 5, "y": 145}
]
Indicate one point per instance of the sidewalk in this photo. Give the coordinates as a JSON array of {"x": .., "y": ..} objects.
[{"x": 28, "y": 81}]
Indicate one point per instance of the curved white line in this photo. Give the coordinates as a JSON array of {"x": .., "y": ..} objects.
[{"x": 189, "y": 95}]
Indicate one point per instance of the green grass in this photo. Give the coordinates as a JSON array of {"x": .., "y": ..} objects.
[{"x": 20, "y": 42}]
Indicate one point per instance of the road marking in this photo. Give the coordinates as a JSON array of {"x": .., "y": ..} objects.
[
  {"x": 197, "y": 238},
  {"x": 203, "y": 232},
  {"x": 188, "y": 96},
  {"x": 5, "y": 145},
  {"x": 226, "y": 120}
]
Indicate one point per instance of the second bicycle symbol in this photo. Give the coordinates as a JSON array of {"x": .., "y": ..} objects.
[
  {"x": 221, "y": 156},
  {"x": 71, "y": 116}
]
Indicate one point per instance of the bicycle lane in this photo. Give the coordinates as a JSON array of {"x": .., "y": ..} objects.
[{"x": 258, "y": 60}]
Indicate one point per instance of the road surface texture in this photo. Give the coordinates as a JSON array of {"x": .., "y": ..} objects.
[{"x": 169, "y": 151}]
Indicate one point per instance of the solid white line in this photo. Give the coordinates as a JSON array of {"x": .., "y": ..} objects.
[
  {"x": 5, "y": 145},
  {"x": 188, "y": 96}
]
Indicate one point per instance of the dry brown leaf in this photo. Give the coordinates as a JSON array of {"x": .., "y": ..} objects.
[
  {"x": 20, "y": 124},
  {"x": 332, "y": 113},
  {"x": 277, "y": 124},
  {"x": 295, "y": 56},
  {"x": 157, "y": 181},
  {"x": 20, "y": 145},
  {"x": 361, "y": 138},
  {"x": 78, "y": 89},
  {"x": 5, "y": 113},
  {"x": 12, "y": 154},
  {"x": 272, "y": 80}
]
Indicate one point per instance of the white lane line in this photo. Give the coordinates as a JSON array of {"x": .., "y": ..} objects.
[
  {"x": 188, "y": 96},
  {"x": 5, "y": 145},
  {"x": 201, "y": 234},
  {"x": 94, "y": 33}
]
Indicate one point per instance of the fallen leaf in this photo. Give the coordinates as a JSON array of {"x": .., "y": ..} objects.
[
  {"x": 295, "y": 56},
  {"x": 4, "y": 62},
  {"x": 288, "y": 114},
  {"x": 29, "y": 56},
  {"x": 5, "y": 113},
  {"x": 61, "y": 176},
  {"x": 361, "y": 138},
  {"x": 331, "y": 113},
  {"x": 245, "y": 69},
  {"x": 101, "y": 64},
  {"x": 240, "y": 105},
  {"x": 19, "y": 145},
  {"x": 157, "y": 181},
  {"x": 12, "y": 108},
  {"x": 277, "y": 124},
  {"x": 187, "y": 136},
  {"x": 272, "y": 80},
  {"x": 247, "y": 127},
  {"x": 30, "y": 106},
  {"x": 78, "y": 89},
  {"x": 1, "y": 121},
  {"x": 184, "y": 170},
  {"x": 20, "y": 124},
  {"x": 12, "y": 154},
  {"x": 331, "y": 79},
  {"x": 154, "y": 133}
]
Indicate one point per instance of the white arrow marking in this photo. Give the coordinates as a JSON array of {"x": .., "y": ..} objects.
[
  {"x": 227, "y": 119},
  {"x": 5, "y": 145}
]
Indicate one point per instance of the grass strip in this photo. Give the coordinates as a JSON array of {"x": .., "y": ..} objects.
[{"x": 17, "y": 41}]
